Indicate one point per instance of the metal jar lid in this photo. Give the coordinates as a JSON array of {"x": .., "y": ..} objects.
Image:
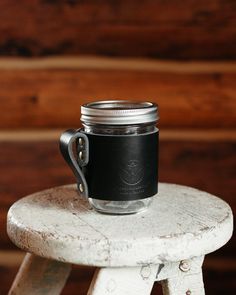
[{"x": 119, "y": 112}]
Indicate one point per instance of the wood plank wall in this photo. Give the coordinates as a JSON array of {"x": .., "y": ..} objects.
[
  {"x": 56, "y": 55},
  {"x": 152, "y": 28}
]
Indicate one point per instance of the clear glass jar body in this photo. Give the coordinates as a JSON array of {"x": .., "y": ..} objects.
[{"x": 119, "y": 207}]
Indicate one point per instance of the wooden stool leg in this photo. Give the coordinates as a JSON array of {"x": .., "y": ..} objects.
[
  {"x": 128, "y": 281},
  {"x": 184, "y": 278},
  {"x": 40, "y": 276},
  {"x": 188, "y": 285}
]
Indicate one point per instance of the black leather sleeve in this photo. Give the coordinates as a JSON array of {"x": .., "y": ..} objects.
[{"x": 122, "y": 167}]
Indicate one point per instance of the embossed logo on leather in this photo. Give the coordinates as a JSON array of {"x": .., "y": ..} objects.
[{"x": 132, "y": 172}]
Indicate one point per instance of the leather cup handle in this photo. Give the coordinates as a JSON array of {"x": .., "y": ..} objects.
[{"x": 74, "y": 147}]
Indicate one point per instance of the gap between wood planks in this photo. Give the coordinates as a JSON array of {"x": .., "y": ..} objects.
[
  {"x": 106, "y": 63},
  {"x": 165, "y": 135}
]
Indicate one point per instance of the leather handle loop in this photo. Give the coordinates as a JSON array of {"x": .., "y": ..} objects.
[{"x": 68, "y": 139}]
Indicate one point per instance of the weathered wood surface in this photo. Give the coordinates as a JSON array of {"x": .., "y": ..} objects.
[
  {"x": 183, "y": 278},
  {"x": 219, "y": 277},
  {"x": 29, "y": 166},
  {"x": 175, "y": 279},
  {"x": 77, "y": 284},
  {"x": 188, "y": 97},
  {"x": 40, "y": 276},
  {"x": 128, "y": 280},
  {"x": 163, "y": 29},
  {"x": 59, "y": 224},
  {"x": 200, "y": 223}
]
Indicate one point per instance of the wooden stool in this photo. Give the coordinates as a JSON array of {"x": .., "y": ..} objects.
[{"x": 167, "y": 243}]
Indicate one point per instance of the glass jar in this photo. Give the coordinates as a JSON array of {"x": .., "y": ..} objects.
[{"x": 122, "y": 118}]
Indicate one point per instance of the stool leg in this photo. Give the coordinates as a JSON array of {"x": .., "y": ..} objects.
[
  {"x": 40, "y": 276},
  {"x": 128, "y": 281},
  {"x": 184, "y": 278}
]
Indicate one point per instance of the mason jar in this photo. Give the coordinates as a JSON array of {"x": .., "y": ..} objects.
[{"x": 121, "y": 170}]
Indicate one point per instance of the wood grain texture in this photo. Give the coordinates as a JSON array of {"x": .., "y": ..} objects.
[
  {"x": 77, "y": 284},
  {"x": 163, "y": 29},
  {"x": 181, "y": 223},
  {"x": 51, "y": 98},
  {"x": 27, "y": 167},
  {"x": 40, "y": 276},
  {"x": 114, "y": 63}
]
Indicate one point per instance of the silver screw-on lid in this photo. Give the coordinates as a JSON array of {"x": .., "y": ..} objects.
[{"x": 119, "y": 112}]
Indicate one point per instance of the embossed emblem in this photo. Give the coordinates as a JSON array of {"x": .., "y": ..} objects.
[{"x": 132, "y": 173}]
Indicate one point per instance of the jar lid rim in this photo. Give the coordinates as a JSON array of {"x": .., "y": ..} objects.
[{"x": 119, "y": 112}]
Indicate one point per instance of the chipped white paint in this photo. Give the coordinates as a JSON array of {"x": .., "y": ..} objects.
[
  {"x": 140, "y": 280},
  {"x": 172, "y": 269},
  {"x": 128, "y": 281},
  {"x": 184, "y": 285},
  {"x": 166, "y": 243},
  {"x": 40, "y": 276},
  {"x": 182, "y": 282},
  {"x": 182, "y": 223}
]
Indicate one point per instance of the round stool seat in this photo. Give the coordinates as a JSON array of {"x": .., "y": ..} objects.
[{"x": 181, "y": 223}]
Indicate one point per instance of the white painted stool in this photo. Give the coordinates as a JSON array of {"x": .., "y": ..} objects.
[{"x": 167, "y": 243}]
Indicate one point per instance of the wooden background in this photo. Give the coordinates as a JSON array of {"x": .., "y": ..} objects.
[{"x": 55, "y": 55}]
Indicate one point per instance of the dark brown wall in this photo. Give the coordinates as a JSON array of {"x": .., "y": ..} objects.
[{"x": 152, "y": 28}]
